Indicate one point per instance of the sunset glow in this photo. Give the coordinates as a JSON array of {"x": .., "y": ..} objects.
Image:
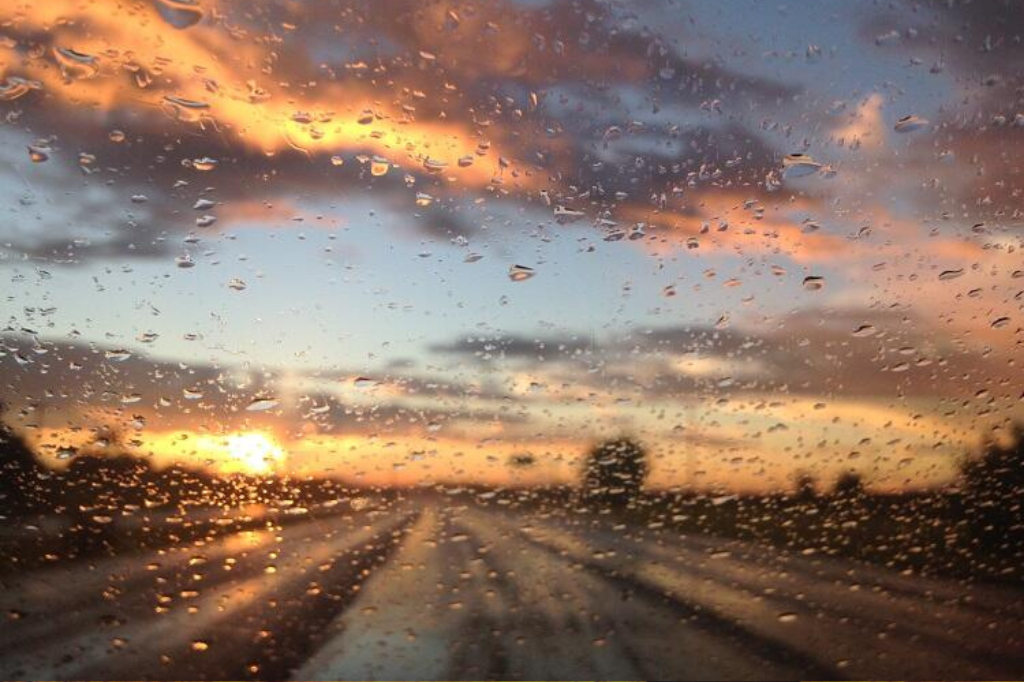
[{"x": 247, "y": 453}]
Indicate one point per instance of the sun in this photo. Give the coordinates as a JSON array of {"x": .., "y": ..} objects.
[{"x": 252, "y": 453}]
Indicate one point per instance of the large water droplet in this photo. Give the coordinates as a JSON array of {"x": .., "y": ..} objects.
[
  {"x": 13, "y": 87},
  {"x": 379, "y": 166},
  {"x": 909, "y": 124},
  {"x": 75, "y": 65},
  {"x": 183, "y": 109},
  {"x": 813, "y": 282},
  {"x": 179, "y": 13},
  {"x": 520, "y": 273},
  {"x": 262, "y": 404},
  {"x": 799, "y": 165}
]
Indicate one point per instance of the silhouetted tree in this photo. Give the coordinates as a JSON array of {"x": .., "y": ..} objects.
[
  {"x": 993, "y": 485},
  {"x": 806, "y": 488},
  {"x": 20, "y": 482},
  {"x": 614, "y": 472},
  {"x": 850, "y": 484}
]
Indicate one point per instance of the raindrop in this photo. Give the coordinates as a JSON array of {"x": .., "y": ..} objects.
[
  {"x": 909, "y": 124},
  {"x": 379, "y": 166},
  {"x": 1000, "y": 322},
  {"x": 424, "y": 199},
  {"x": 814, "y": 282},
  {"x": 38, "y": 153},
  {"x": 520, "y": 273},
  {"x": 337, "y": 160},
  {"x": 787, "y": 617},
  {"x": 13, "y": 87},
  {"x": 116, "y": 136},
  {"x": 118, "y": 355},
  {"x": 799, "y": 165},
  {"x": 200, "y": 645},
  {"x": 472, "y": 257},
  {"x": 187, "y": 110},
  {"x": 179, "y": 13},
  {"x": 75, "y": 65},
  {"x": 951, "y": 274},
  {"x": 262, "y": 404},
  {"x": 864, "y": 331},
  {"x": 184, "y": 261},
  {"x": 204, "y": 163},
  {"x": 433, "y": 165},
  {"x": 567, "y": 215},
  {"x": 236, "y": 284}
]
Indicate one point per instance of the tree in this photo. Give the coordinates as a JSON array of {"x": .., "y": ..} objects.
[
  {"x": 806, "y": 488},
  {"x": 20, "y": 484},
  {"x": 614, "y": 472},
  {"x": 993, "y": 484},
  {"x": 850, "y": 484}
]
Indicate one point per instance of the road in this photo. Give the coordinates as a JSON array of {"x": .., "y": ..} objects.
[{"x": 424, "y": 591}]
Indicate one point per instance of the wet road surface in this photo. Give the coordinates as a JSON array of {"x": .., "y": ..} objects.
[{"x": 430, "y": 592}]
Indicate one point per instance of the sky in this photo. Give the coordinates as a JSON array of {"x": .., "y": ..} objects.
[{"x": 405, "y": 241}]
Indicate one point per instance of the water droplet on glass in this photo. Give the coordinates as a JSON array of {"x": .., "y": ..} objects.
[
  {"x": 204, "y": 163},
  {"x": 423, "y": 199},
  {"x": 262, "y": 404},
  {"x": 864, "y": 331},
  {"x": 179, "y": 13},
  {"x": 799, "y": 165},
  {"x": 184, "y": 261},
  {"x": 379, "y": 166},
  {"x": 200, "y": 645},
  {"x": 74, "y": 64},
  {"x": 909, "y": 124},
  {"x": 814, "y": 282},
  {"x": 118, "y": 355},
  {"x": 520, "y": 273},
  {"x": 787, "y": 617},
  {"x": 38, "y": 153},
  {"x": 1000, "y": 322},
  {"x": 951, "y": 274},
  {"x": 236, "y": 284},
  {"x": 187, "y": 110},
  {"x": 567, "y": 215},
  {"x": 337, "y": 161},
  {"x": 12, "y": 88},
  {"x": 433, "y": 165}
]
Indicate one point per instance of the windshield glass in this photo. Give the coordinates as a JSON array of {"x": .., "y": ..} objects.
[{"x": 511, "y": 339}]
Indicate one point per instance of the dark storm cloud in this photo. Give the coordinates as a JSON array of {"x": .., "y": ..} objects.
[{"x": 404, "y": 46}]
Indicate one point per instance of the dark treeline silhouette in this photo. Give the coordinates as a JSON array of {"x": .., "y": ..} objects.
[
  {"x": 109, "y": 499},
  {"x": 116, "y": 500}
]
